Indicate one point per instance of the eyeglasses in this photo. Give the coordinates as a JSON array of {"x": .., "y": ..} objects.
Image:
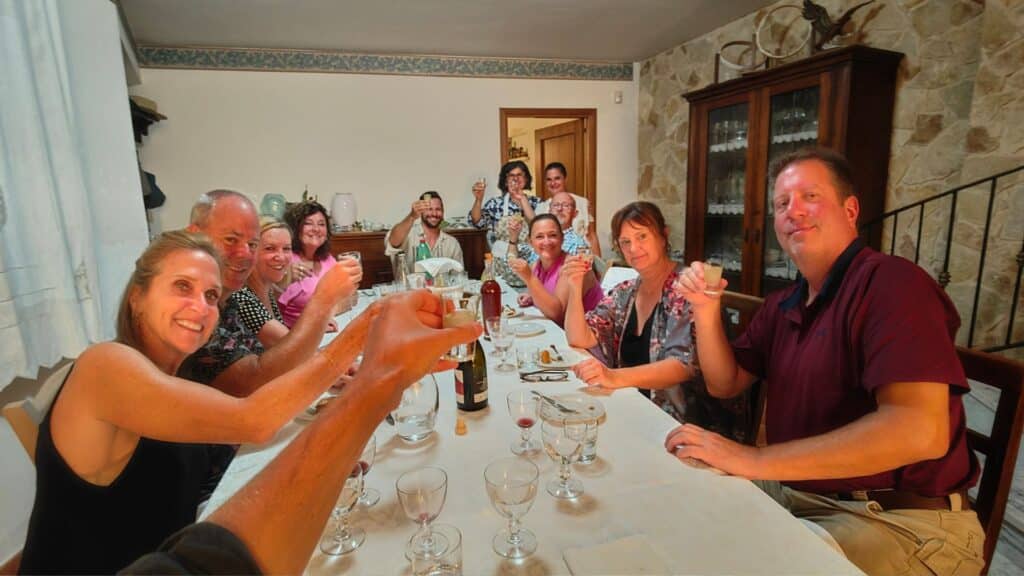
[
  {"x": 557, "y": 376},
  {"x": 516, "y": 175},
  {"x": 560, "y": 205}
]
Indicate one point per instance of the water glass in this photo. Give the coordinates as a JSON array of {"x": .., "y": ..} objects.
[
  {"x": 446, "y": 563},
  {"x": 352, "y": 255},
  {"x": 416, "y": 413},
  {"x": 422, "y": 493},
  {"x": 416, "y": 280},
  {"x": 345, "y": 539},
  {"x": 502, "y": 338},
  {"x": 459, "y": 310},
  {"x": 527, "y": 357},
  {"x": 512, "y": 487},
  {"x": 563, "y": 441}
]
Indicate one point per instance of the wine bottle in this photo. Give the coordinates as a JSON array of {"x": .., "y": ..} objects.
[
  {"x": 490, "y": 291},
  {"x": 471, "y": 382}
]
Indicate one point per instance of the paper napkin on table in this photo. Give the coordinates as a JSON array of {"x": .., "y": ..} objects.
[
  {"x": 629, "y": 555},
  {"x": 438, "y": 266}
]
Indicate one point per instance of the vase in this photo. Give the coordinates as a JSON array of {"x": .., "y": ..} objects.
[
  {"x": 272, "y": 205},
  {"x": 343, "y": 211}
]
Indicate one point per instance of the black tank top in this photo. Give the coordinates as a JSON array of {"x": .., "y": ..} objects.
[
  {"x": 635, "y": 350},
  {"x": 79, "y": 527}
]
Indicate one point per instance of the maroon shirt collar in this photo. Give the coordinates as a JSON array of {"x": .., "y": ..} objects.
[{"x": 831, "y": 284}]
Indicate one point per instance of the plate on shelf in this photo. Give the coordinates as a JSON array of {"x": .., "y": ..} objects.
[{"x": 527, "y": 329}]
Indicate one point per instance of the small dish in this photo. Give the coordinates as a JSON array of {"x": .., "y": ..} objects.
[
  {"x": 567, "y": 360},
  {"x": 527, "y": 329},
  {"x": 510, "y": 312}
]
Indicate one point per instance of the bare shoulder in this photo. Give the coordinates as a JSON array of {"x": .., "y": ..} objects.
[{"x": 106, "y": 360}]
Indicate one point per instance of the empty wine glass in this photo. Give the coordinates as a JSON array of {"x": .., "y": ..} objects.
[
  {"x": 370, "y": 496},
  {"x": 422, "y": 493},
  {"x": 417, "y": 410},
  {"x": 502, "y": 339},
  {"x": 523, "y": 407},
  {"x": 563, "y": 441},
  {"x": 345, "y": 539},
  {"x": 512, "y": 487}
]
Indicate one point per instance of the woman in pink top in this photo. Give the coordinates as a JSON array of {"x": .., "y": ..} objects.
[
  {"x": 545, "y": 286},
  {"x": 311, "y": 257}
]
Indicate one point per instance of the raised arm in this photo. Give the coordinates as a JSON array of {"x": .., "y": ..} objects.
[
  {"x": 546, "y": 302},
  {"x": 400, "y": 231},
  {"x": 723, "y": 375},
  {"x": 280, "y": 514},
  {"x": 475, "y": 213},
  {"x": 577, "y": 331},
  {"x": 249, "y": 373}
]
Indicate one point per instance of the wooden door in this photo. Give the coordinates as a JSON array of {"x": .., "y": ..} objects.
[{"x": 561, "y": 143}]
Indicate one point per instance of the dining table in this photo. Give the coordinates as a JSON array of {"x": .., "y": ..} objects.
[{"x": 643, "y": 511}]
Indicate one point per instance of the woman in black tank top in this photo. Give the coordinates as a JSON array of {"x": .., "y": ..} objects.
[{"x": 125, "y": 447}]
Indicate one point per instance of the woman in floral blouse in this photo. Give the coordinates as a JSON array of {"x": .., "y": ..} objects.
[{"x": 644, "y": 331}]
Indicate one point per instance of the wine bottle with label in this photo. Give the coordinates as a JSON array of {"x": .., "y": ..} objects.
[{"x": 471, "y": 382}]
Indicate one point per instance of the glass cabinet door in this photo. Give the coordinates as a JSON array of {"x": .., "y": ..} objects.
[
  {"x": 725, "y": 189},
  {"x": 793, "y": 124}
]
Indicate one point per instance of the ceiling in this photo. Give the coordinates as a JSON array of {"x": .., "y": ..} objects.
[{"x": 605, "y": 30}]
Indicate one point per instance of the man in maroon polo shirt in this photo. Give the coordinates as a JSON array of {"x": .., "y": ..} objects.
[{"x": 865, "y": 424}]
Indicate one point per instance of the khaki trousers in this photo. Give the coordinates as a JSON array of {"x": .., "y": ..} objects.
[{"x": 892, "y": 542}]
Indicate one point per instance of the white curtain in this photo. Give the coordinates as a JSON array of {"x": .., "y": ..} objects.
[{"x": 71, "y": 214}]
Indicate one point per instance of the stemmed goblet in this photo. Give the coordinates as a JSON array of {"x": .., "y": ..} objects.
[
  {"x": 422, "y": 493},
  {"x": 512, "y": 487},
  {"x": 370, "y": 496},
  {"x": 345, "y": 539},
  {"x": 523, "y": 407},
  {"x": 563, "y": 441},
  {"x": 502, "y": 338}
]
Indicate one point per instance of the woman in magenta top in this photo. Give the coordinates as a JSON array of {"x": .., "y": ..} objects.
[
  {"x": 545, "y": 287},
  {"x": 311, "y": 257}
]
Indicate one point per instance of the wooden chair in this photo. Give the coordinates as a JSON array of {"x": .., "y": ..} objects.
[
  {"x": 1001, "y": 444},
  {"x": 26, "y": 415}
]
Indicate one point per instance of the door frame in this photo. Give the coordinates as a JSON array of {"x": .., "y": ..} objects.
[{"x": 589, "y": 118}]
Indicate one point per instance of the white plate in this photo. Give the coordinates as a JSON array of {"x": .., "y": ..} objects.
[
  {"x": 568, "y": 360},
  {"x": 527, "y": 329}
]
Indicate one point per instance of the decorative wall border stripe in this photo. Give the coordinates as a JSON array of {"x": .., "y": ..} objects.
[{"x": 280, "y": 60}]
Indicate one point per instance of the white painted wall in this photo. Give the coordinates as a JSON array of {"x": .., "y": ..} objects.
[{"x": 383, "y": 138}]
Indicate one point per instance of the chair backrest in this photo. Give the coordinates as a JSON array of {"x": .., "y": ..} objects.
[
  {"x": 26, "y": 415},
  {"x": 615, "y": 275},
  {"x": 1001, "y": 444},
  {"x": 746, "y": 305}
]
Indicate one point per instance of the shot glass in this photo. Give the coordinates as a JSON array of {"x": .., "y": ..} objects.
[
  {"x": 459, "y": 310},
  {"x": 444, "y": 563},
  {"x": 713, "y": 276}
]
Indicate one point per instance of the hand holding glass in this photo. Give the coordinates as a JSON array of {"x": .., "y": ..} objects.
[
  {"x": 459, "y": 310},
  {"x": 512, "y": 488},
  {"x": 713, "y": 276},
  {"x": 353, "y": 255}
]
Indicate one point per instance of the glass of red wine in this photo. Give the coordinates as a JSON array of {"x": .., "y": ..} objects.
[
  {"x": 370, "y": 496},
  {"x": 523, "y": 408}
]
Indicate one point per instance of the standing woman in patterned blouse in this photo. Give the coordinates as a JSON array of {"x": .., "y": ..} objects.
[
  {"x": 644, "y": 331},
  {"x": 257, "y": 300}
]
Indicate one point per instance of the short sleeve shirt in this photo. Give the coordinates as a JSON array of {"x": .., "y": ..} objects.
[
  {"x": 230, "y": 342},
  {"x": 877, "y": 320}
]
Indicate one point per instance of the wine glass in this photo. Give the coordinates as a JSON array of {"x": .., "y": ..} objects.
[
  {"x": 512, "y": 487},
  {"x": 523, "y": 407},
  {"x": 345, "y": 539},
  {"x": 502, "y": 338},
  {"x": 416, "y": 413},
  {"x": 422, "y": 493},
  {"x": 370, "y": 496},
  {"x": 563, "y": 441},
  {"x": 354, "y": 299}
]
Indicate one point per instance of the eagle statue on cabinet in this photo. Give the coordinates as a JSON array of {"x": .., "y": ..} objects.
[{"x": 825, "y": 29}]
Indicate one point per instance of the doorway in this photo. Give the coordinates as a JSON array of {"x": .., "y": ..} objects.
[{"x": 539, "y": 136}]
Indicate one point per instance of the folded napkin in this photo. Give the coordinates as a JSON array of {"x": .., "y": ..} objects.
[
  {"x": 438, "y": 266},
  {"x": 629, "y": 555}
]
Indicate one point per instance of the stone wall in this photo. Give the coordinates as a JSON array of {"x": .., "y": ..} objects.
[{"x": 959, "y": 116}]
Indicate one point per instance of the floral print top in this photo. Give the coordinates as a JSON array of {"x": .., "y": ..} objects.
[
  {"x": 494, "y": 209},
  {"x": 672, "y": 336},
  {"x": 230, "y": 342}
]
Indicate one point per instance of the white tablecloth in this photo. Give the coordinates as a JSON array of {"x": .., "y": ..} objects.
[{"x": 696, "y": 521}]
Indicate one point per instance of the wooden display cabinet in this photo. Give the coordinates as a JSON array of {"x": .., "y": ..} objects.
[
  {"x": 377, "y": 266},
  {"x": 840, "y": 99}
]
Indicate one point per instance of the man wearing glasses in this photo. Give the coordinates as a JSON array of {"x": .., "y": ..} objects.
[{"x": 563, "y": 207}]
